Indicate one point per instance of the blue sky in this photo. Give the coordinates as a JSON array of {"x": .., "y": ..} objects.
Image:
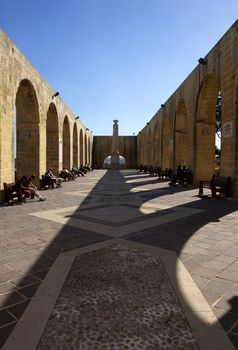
[{"x": 115, "y": 59}]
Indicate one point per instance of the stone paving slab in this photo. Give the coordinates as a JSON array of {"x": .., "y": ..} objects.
[
  {"x": 118, "y": 295},
  {"x": 203, "y": 234}
]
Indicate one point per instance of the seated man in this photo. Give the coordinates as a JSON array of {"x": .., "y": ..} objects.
[
  {"x": 77, "y": 171},
  {"x": 83, "y": 169},
  {"x": 54, "y": 181},
  {"x": 88, "y": 168},
  {"x": 178, "y": 177},
  {"x": 66, "y": 174}
]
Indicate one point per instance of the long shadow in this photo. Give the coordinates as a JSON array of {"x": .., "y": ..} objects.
[{"x": 113, "y": 190}]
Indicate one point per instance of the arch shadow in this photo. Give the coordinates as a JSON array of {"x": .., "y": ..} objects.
[{"x": 113, "y": 190}]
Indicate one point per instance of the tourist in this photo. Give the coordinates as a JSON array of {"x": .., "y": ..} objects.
[
  {"x": 53, "y": 180},
  {"x": 28, "y": 182}
]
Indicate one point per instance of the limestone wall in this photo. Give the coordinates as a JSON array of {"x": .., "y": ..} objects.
[
  {"x": 102, "y": 146},
  {"x": 183, "y": 129},
  {"x": 27, "y": 97}
]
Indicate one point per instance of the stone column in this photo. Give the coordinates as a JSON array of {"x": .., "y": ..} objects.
[{"x": 115, "y": 146}]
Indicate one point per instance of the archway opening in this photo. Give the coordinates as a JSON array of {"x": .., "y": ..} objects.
[
  {"x": 205, "y": 129},
  {"x": 52, "y": 139},
  {"x": 89, "y": 151},
  {"x": 75, "y": 147},
  {"x": 27, "y": 131},
  {"x": 143, "y": 150},
  {"x": 149, "y": 148},
  {"x": 218, "y": 133},
  {"x": 181, "y": 136},
  {"x": 165, "y": 143},
  {"x": 66, "y": 143},
  {"x": 81, "y": 147},
  {"x": 85, "y": 149},
  {"x": 14, "y": 146},
  {"x": 156, "y": 145}
]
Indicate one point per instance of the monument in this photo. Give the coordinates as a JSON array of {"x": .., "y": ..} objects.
[{"x": 115, "y": 160}]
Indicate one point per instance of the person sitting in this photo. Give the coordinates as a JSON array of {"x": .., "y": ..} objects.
[
  {"x": 83, "y": 169},
  {"x": 88, "y": 168},
  {"x": 53, "y": 180},
  {"x": 33, "y": 188},
  {"x": 67, "y": 175},
  {"x": 19, "y": 189},
  {"x": 50, "y": 179},
  {"x": 77, "y": 171},
  {"x": 23, "y": 190},
  {"x": 178, "y": 177},
  {"x": 151, "y": 170},
  {"x": 28, "y": 182},
  {"x": 159, "y": 172},
  {"x": 188, "y": 176}
]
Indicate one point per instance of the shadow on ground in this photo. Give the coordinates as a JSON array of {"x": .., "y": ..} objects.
[{"x": 116, "y": 188}]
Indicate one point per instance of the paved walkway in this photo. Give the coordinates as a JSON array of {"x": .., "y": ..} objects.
[{"x": 119, "y": 260}]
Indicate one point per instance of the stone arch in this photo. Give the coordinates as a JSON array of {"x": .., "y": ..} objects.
[
  {"x": 225, "y": 145},
  {"x": 181, "y": 135},
  {"x": 52, "y": 139},
  {"x": 165, "y": 142},
  {"x": 139, "y": 162},
  {"x": 81, "y": 146},
  {"x": 156, "y": 145},
  {"x": 27, "y": 130},
  {"x": 75, "y": 146},
  {"x": 205, "y": 129},
  {"x": 89, "y": 151},
  {"x": 149, "y": 148},
  {"x": 85, "y": 149},
  {"x": 143, "y": 150},
  {"x": 66, "y": 143}
]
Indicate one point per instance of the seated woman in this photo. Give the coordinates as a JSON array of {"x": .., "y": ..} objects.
[{"x": 23, "y": 191}]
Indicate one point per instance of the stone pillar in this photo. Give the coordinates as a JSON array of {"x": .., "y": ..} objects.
[{"x": 115, "y": 146}]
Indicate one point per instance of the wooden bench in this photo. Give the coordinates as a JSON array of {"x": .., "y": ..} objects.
[
  {"x": 10, "y": 192},
  {"x": 220, "y": 184}
]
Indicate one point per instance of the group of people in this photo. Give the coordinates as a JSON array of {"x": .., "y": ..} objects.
[
  {"x": 156, "y": 171},
  {"x": 53, "y": 181},
  {"x": 182, "y": 176},
  {"x": 67, "y": 174},
  {"x": 27, "y": 190}
]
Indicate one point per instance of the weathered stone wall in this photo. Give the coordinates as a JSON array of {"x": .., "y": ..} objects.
[
  {"x": 102, "y": 146},
  {"x": 183, "y": 130},
  {"x": 27, "y": 97}
]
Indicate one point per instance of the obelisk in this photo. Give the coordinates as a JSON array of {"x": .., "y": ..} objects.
[{"x": 115, "y": 146}]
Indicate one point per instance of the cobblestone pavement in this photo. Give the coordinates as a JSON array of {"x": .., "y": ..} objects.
[{"x": 103, "y": 207}]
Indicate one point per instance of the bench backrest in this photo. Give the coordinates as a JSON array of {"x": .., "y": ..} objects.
[
  {"x": 220, "y": 180},
  {"x": 10, "y": 192},
  {"x": 9, "y": 186}
]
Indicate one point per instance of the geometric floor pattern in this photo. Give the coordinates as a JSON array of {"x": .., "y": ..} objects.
[{"x": 118, "y": 260}]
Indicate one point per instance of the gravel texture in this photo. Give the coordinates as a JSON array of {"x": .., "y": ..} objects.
[{"x": 117, "y": 298}]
